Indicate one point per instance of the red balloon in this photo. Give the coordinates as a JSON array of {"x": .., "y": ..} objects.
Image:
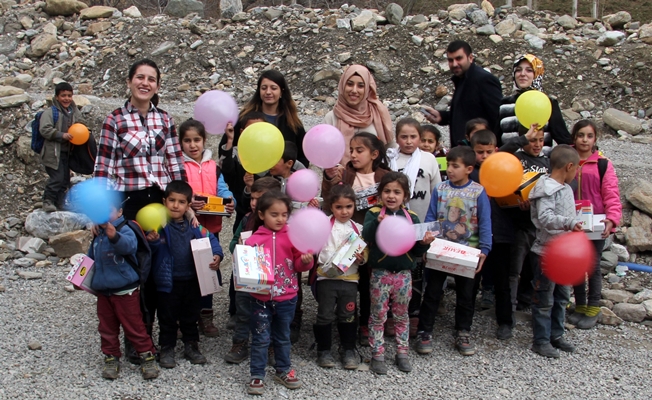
[{"x": 567, "y": 258}]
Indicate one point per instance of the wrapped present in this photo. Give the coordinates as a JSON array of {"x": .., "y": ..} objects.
[
  {"x": 344, "y": 256},
  {"x": 366, "y": 198},
  {"x": 452, "y": 258},
  {"x": 202, "y": 252},
  {"x": 81, "y": 273},
  {"x": 522, "y": 193},
  {"x": 253, "y": 270},
  {"x": 598, "y": 227},
  {"x": 584, "y": 210}
]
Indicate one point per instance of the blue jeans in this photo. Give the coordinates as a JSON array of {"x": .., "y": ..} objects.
[
  {"x": 548, "y": 305},
  {"x": 270, "y": 319}
]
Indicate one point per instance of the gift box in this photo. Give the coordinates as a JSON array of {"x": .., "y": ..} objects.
[
  {"x": 202, "y": 252},
  {"x": 522, "y": 193},
  {"x": 584, "y": 210},
  {"x": 366, "y": 198},
  {"x": 81, "y": 273},
  {"x": 344, "y": 256},
  {"x": 253, "y": 270},
  {"x": 452, "y": 258},
  {"x": 598, "y": 227}
]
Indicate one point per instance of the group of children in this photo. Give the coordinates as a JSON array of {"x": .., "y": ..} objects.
[{"x": 376, "y": 182}]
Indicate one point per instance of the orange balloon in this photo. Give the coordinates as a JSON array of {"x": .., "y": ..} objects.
[
  {"x": 79, "y": 133},
  {"x": 501, "y": 174}
]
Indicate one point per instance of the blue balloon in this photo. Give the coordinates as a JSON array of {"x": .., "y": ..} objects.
[{"x": 94, "y": 199}]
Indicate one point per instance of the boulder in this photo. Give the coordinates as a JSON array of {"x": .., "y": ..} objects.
[
  {"x": 648, "y": 308},
  {"x": 10, "y": 91},
  {"x": 617, "y": 296},
  {"x": 534, "y": 41},
  {"x": 164, "y": 47},
  {"x": 28, "y": 275},
  {"x": 620, "y": 120},
  {"x": 273, "y": 13},
  {"x": 41, "y": 44},
  {"x": 326, "y": 74},
  {"x": 132, "y": 12},
  {"x": 50, "y": 28},
  {"x": 630, "y": 312},
  {"x": 63, "y": 7},
  {"x": 645, "y": 33},
  {"x": 364, "y": 20},
  {"x": 488, "y": 8},
  {"x": 506, "y": 27},
  {"x": 97, "y": 27},
  {"x": 486, "y": 30},
  {"x": 640, "y": 220},
  {"x": 457, "y": 14},
  {"x": 640, "y": 195},
  {"x": 343, "y": 23},
  {"x": 638, "y": 239},
  {"x": 45, "y": 225},
  {"x": 617, "y": 20},
  {"x": 96, "y": 12},
  {"x": 24, "y": 150},
  {"x": 466, "y": 7},
  {"x": 380, "y": 70},
  {"x": 608, "y": 262},
  {"x": 529, "y": 27},
  {"x": 610, "y": 38},
  {"x": 8, "y": 44},
  {"x": 642, "y": 296},
  {"x": 394, "y": 13},
  {"x": 229, "y": 8},
  {"x": 479, "y": 18},
  {"x": 31, "y": 245},
  {"x": 567, "y": 22},
  {"x": 181, "y": 8},
  {"x": 14, "y": 101},
  {"x": 70, "y": 243},
  {"x": 620, "y": 251},
  {"x": 607, "y": 317}
]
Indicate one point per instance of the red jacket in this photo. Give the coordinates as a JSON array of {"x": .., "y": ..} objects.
[
  {"x": 606, "y": 197},
  {"x": 286, "y": 259}
]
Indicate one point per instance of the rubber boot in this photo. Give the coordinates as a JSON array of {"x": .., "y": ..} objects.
[
  {"x": 323, "y": 338},
  {"x": 347, "y": 331},
  {"x": 206, "y": 325}
]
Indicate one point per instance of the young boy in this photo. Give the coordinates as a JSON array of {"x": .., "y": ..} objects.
[
  {"x": 472, "y": 126},
  {"x": 464, "y": 206},
  {"x": 552, "y": 207},
  {"x": 239, "y": 351},
  {"x": 118, "y": 297},
  {"x": 56, "y": 147},
  {"x": 176, "y": 278}
]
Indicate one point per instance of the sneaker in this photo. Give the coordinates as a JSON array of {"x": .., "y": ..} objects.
[
  {"x": 288, "y": 379},
  {"x": 378, "y": 366},
  {"x": 504, "y": 332},
  {"x": 562, "y": 344},
  {"x": 148, "y": 367},
  {"x": 575, "y": 318},
  {"x": 111, "y": 368},
  {"x": 231, "y": 324},
  {"x": 191, "y": 352},
  {"x": 463, "y": 343},
  {"x": 238, "y": 353},
  {"x": 487, "y": 300},
  {"x": 363, "y": 336},
  {"x": 256, "y": 386},
  {"x": 295, "y": 332},
  {"x": 166, "y": 360},
  {"x": 325, "y": 359},
  {"x": 589, "y": 320},
  {"x": 424, "y": 343},
  {"x": 403, "y": 363},
  {"x": 545, "y": 350},
  {"x": 48, "y": 207},
  {"x": 389, "y": 327},
  {"x": 350, "y": 360}
]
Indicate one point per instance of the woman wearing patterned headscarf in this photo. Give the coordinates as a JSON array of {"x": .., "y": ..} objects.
[{"x": 528, "y": 75}]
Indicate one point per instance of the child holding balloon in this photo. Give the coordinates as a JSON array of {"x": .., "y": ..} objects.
[
  {"x": 597, "y": 182},
  {"x": 391, "y": 277},
  {"x": 552, "y": 207},
  {"x": 272, "y": 314},
  {"x": 205, "y": 178}
]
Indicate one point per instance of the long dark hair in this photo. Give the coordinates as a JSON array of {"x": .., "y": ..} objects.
[
  {"x": 371, "y": 141},
  {"x": 149, "y": 63},
  {"x": 287, "y": 108},
  {"x": 399, "y": 178},
  {"x": 266, "y": 201}
]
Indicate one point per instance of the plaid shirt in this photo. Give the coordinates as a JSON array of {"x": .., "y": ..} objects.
[{"x": 136, "y": 153}]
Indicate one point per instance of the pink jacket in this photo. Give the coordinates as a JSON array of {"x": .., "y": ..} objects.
[
  {"x": 605, "y": 198},
  {"x": 286, "y": 259}
]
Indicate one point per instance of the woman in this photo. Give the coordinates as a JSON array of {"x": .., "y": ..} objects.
[
  {"x": 139, "y": 149},
  {"x": 528, "y": 75},
  {"x": 358, "y": 108}
]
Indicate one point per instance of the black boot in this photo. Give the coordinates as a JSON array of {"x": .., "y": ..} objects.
[
  {"x": 350, "y": 359},
  {"x": 131, "y": 353},
  {"x": 323, "y": 338}
]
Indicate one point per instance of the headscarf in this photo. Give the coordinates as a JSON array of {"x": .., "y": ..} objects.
[
  {"x": 369, "y": 111},
  {"x": 537, "y": 67}
]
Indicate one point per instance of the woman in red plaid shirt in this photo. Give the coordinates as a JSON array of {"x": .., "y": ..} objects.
[{"x": 139, "y": 151}]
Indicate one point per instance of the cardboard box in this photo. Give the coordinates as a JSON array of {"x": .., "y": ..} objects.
[
  {"x": 521, "y": 194},
  {"x": 598, "y": 227},
  {"x": 202, "y": 252},
  {"x": 584, "y": 210},
  {"x": 344, "y": 257},
  {"x": 452, "y": 258},
  {"x": 81, "y": 274},
  {"x": 244, "y": 236},
  {"x": 253, "y": 270}
]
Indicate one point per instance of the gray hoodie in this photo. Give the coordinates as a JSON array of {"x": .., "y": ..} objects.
[{"x": 552, "y": 208}]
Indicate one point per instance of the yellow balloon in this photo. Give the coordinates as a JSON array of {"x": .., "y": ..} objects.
[
  {"x": 152, "y": 217},
  {"x": 533, "y": 107},
  {"x": 260, "y": 147}
]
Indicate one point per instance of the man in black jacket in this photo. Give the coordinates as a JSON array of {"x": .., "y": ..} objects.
[{"x": 477, "y": 93}]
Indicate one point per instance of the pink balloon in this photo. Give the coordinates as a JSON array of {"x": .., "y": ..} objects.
[
  {"x": 215, "y": 109},
  {"x": 324, "y": 145},
  {"x": 309, "y": 229},
  {"x": 303, "y": 185},
  {"x": 395, "y": 236}
]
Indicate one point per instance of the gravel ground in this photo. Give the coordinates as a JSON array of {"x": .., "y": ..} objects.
[{"x": 610, "y": 362}]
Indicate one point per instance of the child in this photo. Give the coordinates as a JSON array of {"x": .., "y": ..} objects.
[
  {"x": 179, "y": 298},
  {"x": 431, "y": 143},
  {"x": 552, "y": 207},
  {"x": 472, "y": 126},
  {"x": 239, "y": 350},
  {"x": 204, "y": 178},
  {"x": 271, "y": 314},
  {"x": 599, "y": 184},
  {"x": 337, "y": 291},
  {"x": 390, "y": 276},
  {"x": 118, "y": 296},
  {"x": 363, "y": 172},
  {"x": 462, "y": 208},
  {"x": 56, "y": 147}
]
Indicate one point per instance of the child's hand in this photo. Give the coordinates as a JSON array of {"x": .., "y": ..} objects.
[
  {"x": 532, "y": 132},
  {"x": 381, "y": 218},
  {"x": 480, "y": 263},
  {"x": 608, "y": 226},
  {"x": 229, "y": 132},
  {"x": 359, "y": 257},
  {"x": 197, "y": 205},
  {"x": 66, "y": 136},
  {"x": 306, "y": 258},
  {"x": 95, "y": 230},
  {"x": 578, "y": 227},
  {"x": 109, "y": 229},
  {"x": 333, "y": 174},
  {"x": 313, "y": 203},
  {"x": 194, "y": 222},
  {"x": 428, "y": 238},
  {"x": 230, "y": 207},
  {"x": 524, "y": 205},
  {"x": 215, "y": 265},
  {"x": 248, "y": 180},
  {"x": 152, "y": 236}
]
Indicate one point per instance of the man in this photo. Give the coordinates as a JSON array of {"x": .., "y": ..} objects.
[{"x": 477, "y": 93}]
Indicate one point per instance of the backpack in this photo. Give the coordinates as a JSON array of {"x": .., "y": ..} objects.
[
  {"x": 82, "y": 157},
  {"x": 142, "y": 263},
  {"x": 603, "y": 163},
  {"x": 37, "y": 138}
]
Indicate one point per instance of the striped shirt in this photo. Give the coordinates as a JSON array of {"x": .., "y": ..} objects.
[{"x": 136, "y": 152}]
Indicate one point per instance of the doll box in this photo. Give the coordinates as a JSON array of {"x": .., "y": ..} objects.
[
  {"x": 252, "y": 269},
  {"x": 81, "y": 273},
  {"x": 344, "y": 257},
  {"x": 452, "y": 258},
  {"x": 202, "y": 252}
]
